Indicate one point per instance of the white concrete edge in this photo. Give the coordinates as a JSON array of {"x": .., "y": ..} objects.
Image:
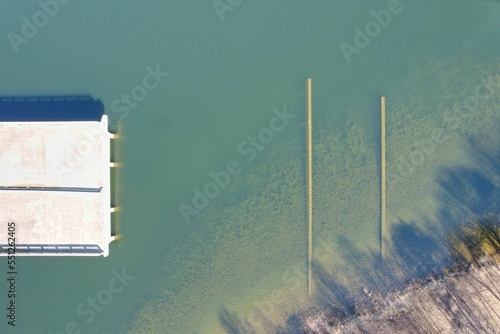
[{"x": 106, "y": 187}]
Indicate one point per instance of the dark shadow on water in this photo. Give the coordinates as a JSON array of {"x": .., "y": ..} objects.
[
  {"x": 420, "y": 253},
  {"x": 466, "y": 191},
  {"x": 466, "y": 194},
  {"x": 232, "y": 324},
  {"x": 293, "y": 325},
  {"x": 50, "y": 108},
  {"x": 330, "y": 292},
  {"x": 470, "y": 190}
]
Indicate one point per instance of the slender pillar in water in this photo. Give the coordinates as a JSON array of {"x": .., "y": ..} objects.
[
  {"x": 309, "y": 184},
  {"x": 383, "y": 226}
]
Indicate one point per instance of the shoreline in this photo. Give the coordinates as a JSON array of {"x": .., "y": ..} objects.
[{"x": 463, "y": 297}]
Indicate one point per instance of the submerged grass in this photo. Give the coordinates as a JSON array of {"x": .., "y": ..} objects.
[
  {"x": 479, "y": 237},
  {"x": 254, "y": 235}
]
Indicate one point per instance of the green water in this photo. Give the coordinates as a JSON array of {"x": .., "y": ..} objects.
[{"x": 245, "y": 251}]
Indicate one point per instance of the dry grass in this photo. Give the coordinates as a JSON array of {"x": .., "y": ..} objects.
[{"x": 464, "y": 299}]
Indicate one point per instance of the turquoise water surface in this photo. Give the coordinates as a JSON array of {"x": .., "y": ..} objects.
[{"x": 223, "y": 72}]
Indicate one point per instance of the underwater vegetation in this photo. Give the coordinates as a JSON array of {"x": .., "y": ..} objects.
[
  {"x": 254, "y": 234},
  {"x": 463, "y": 297}
]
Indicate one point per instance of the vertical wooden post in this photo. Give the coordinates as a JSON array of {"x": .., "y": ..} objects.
[
  {"x": 383, "y": 226},
  {"x": 309, "y": 184}
]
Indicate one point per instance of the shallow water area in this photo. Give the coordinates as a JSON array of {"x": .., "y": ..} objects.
[{"x": 240, "y": 261}]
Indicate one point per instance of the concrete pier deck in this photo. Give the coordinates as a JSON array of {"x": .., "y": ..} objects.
[{"x": 55, "y": 187}]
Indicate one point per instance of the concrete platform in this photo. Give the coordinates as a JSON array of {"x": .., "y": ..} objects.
[
  {"x": 56, "y": 217},
  {"x": 53, "y": 154},
  {"x": 55, "y": 185}
]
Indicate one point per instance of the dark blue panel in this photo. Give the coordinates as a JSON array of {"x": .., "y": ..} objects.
[{"x": 53, "y": 248}]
